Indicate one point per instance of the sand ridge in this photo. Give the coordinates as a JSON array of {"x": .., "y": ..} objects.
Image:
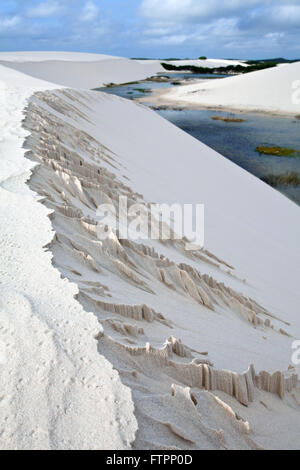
[{"x": 77, "y": 173}]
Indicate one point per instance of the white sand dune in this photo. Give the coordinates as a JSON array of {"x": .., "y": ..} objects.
[
  {"x": 271, "y": 90},
  {"x": 44, "y": 56},
  {"x": 209, "y": 63},
  {"x": 55, "y": 387},
  {"x": 180, "y": 329},
  {"x": 79, "y": 70}
]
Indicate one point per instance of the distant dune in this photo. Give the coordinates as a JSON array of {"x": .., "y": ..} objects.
[
  {"x": 272, "y": 90},
  {"x": 79, "y": 70},
  {"x": 209, "y": 63}
]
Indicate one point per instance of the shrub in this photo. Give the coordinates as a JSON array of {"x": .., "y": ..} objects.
[
  {"x": 277, "y": 151},
  {"x": 286, "y": 179},
  {"x": 227, "y": 119},
  {"x": 228, "y": 70}
]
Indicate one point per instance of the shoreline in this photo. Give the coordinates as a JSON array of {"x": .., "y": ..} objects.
[{"x": 157, "y": 100}]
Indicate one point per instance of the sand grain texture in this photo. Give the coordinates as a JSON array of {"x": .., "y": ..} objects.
[{"x": 138, "y": 344}]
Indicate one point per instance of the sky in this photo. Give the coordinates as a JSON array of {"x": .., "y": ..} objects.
[{"x": 242, "y": 29}]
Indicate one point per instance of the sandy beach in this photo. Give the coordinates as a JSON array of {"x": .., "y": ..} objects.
[{"x": 268, "y": 91}]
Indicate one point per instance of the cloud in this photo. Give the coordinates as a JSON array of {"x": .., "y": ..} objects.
[
  {"x": 170, "y": 40},
  {"x": 229, "y": 25},
  {"x": 193, "y": 10},
  {"x": 9, "y": 22},
  {"x": 90, "y": 11},
  {"x": 284, "y": 15},
  {"x": 177, "y": 28},
  {"x": 44, "y": 10}
]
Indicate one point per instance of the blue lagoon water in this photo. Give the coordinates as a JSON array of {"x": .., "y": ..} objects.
[{"x": 236, "y": 141}]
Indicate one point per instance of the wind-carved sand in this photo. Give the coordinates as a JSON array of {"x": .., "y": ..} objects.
[{"x": 160, "y": 307}]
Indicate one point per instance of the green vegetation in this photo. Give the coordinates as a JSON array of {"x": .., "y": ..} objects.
[
  {"x": 111, "y": 85},
  {"x": 227, "y": 119},
  {"x": 286, "y": 179},
  {"x": 229, "y": 70},
  {"x": 277, "y": 60},
  {"x": 277, "y": 151},
  {"x": 142, "y": 90},
  {"x": 169, "y": 59},
  {"x": 158, "y": 79}
]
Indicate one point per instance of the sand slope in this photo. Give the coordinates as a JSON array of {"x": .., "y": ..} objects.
[
  {"x": 267, "y": 90},
  {"x": 181, "y": 329},
  {"x": 79, "y": 70},
  {"x": 44, "y": 56},
  {"x": 57, "y": 391}
]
